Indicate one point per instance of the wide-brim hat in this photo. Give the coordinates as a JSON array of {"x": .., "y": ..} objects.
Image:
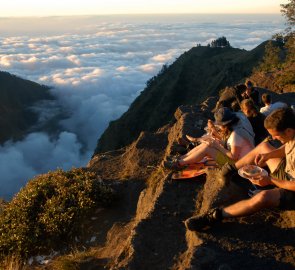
[{"x": 224, "y": 116}]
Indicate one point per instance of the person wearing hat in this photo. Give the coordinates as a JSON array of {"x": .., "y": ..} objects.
[
  {"x": 251, "y": 93},
  {"x": 235, "y": 146}
]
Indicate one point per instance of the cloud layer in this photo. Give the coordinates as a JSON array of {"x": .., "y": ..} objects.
[{"x": 97, "y": 66}]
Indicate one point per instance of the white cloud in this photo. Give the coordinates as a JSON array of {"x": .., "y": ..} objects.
[
  {"x": 163, "y": 57},
  {"x": 97, "y": 66},
  {"x": 149, "y": 68},
  {"x": 37, "y": 154},
  {"x": 122, "y": 68}
]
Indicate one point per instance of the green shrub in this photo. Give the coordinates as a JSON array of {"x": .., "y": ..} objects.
[{"x": 49, "y": 210}]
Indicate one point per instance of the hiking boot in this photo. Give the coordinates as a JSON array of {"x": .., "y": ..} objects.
[
  {"x": 228, "y": 171},
  {"x": 172, "y": 165},
  {"x": 172, "y": 157},
  {"x": 201, "y": 222},
  {"x": 178, "y": 149},
  {"x": 182, "y": 141}
]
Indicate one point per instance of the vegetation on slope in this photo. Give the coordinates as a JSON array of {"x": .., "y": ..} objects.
[
  {"x": 48, "y": 211},
  {"x": 16, "y": 96},
  {"x": 279, "y": 59},
  {"x": 195, "y": 75}
]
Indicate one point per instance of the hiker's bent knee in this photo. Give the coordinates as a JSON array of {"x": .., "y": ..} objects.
[{"x": 264, "y": 199}]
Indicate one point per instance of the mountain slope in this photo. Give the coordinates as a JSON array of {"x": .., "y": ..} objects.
[
  {"x": 195, "y": 75},
  {"x": 16, "y": 96}
]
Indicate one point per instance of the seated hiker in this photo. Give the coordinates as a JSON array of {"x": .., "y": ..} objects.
[
  {"x": 251, "y": 93},
  {"x": 256, "y": 119},
  {"x": 212, "y": 131},
  {"x": 281, "y": 163},
  {"x": 238, "y": 143},
  {"x": 269, "y": 106},
  {"x": 244, "y": 123}
]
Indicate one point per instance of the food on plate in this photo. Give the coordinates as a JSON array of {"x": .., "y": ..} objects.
[{"x": 251, "y": 171}]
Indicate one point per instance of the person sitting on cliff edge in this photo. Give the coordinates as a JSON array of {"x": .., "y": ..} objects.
[
  {"x": 281, "y": 163},
  {"x": 237, "y": 143},
  {"x": 269, "y": 106},
  {"x": 251, "y": 93}
]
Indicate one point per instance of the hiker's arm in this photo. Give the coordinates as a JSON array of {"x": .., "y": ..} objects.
[
  {"x": 235, "y": 148},
  {"x": 268, "y": 180},
  {"x": 219, "y": 147},
  {"x": 213, "y": 130},
  {"x": 235, "y": 152},
  {"x": 260, "y": 159},
  {"x": 285, "y": 184}
]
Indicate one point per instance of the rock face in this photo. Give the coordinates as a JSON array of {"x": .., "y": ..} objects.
[{"x": 146, "y": 229}]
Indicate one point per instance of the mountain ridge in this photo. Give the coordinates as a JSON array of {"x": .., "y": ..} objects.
[
  {"x": 17, "y": 95},
  {"x": 187, "y": 81}
]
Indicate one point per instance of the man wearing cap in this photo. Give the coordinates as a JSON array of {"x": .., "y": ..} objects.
[{"x": 281, "y": 163}]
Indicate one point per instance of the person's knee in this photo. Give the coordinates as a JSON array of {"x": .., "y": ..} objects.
[{"x": 264, "y": 198}]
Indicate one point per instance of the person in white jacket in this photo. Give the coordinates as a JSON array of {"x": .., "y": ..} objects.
[{"x": 269, "y": 106}]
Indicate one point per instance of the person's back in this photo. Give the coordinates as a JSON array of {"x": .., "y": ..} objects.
[
  {"x": 269, "y": 106},
  {"x": 256, "y": 119},
  {"x": 240, "y": 138},
  {"x": 257, "y": 124},
  {"x": 266, "y": 110},
  {"x": 245, "y": 126}
]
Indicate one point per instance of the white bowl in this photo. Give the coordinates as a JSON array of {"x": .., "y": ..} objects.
[{"x": 251, "y": 171}]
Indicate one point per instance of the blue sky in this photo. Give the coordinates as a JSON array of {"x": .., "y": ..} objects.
[{"x": 86, "y": 7}]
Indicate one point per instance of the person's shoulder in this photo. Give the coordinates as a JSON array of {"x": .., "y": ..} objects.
[
  {"x": 290, "y": 146},
  {"x": 238, "y": 132},
  {"x": 279, "y": 104},
  {"x": 264, "y": 109}
]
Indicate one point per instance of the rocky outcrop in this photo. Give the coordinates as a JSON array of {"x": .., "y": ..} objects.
[{"x": 147, "y": 230}]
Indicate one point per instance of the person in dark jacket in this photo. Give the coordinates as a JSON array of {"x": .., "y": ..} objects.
[
  {"x": 251, "y": 93},
  {"x": 256, "y": 119}
]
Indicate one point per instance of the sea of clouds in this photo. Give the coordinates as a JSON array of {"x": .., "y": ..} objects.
[{"x": 96, "y": 66}]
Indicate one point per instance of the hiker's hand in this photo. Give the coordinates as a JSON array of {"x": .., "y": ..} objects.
[
  {"x": 262, "y": 181},
  {"x": 212, "y": 143},
  {"x": 210, "y": 124},
  {"x": 191, "y": 139},
  {"x": 260, "y": 160}
]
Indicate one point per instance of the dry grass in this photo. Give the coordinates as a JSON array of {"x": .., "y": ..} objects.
[
  {"x": 74, "y": 260},
  {"x": 13, "y": 263}
]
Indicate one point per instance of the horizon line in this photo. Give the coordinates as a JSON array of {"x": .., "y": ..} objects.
[{"x": 137, "y": 14}]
